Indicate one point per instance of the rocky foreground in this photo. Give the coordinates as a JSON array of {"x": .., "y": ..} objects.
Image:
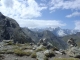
[
  {"x": 31, "y": 51},
  {"x": 22, "y": 44}
]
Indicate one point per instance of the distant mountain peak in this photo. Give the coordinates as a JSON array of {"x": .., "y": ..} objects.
[{"x": 57, "y": 31}]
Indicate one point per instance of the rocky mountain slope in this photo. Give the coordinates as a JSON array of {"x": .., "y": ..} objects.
[
  {"x": 10, "y": 29},
  {"x": 57, "y": 31},
  {"x": 36, "y": 36}
]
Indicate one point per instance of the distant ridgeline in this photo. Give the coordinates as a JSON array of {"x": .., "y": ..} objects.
[
  {"x": 46, "y": 34},
  {"x": 10, "y": 30}
]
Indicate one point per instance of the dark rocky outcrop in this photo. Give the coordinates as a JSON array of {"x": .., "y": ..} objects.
[{"x": 10, "y": 29}]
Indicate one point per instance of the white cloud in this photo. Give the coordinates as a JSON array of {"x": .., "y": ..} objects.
[
  {"x": 74, "y": 14},
  {"x": 40, "y": 23},
  {"x": 8, "y": 3},
  {"x": 62, "y": 4},
  {"x": 77, "y": 25},
  {"x": 23, "y": 11},
  {"x": 21, "y": 8}
]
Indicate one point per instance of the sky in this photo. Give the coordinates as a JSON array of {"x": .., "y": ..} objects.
[{"x": 43, "y": 13}]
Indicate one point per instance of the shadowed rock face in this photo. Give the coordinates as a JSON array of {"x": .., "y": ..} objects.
[{"x": 10, "y": 29}]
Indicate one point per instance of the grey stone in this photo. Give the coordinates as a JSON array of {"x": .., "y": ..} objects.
[
  {"x": 40, "y": 55},
  {"x": 74, "y": 52}
]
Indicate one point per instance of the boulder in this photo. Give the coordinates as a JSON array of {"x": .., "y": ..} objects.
[
  {"x": 74, "y": 52},
  {"x": 40, "y": 55},
  {"x": 49, "y": 53}
]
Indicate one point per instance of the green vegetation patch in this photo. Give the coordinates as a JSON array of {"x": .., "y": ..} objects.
[
  {"x": 20, "y": 52},
  {"x": 41, "y": 49},
  {"x": 28, "y": 53},
  {"x": 33, "y": 55},
  {"x": 2, "y": 52},
  {"x": 10, "y": 43},
  {"x": 9, "y": 52},
  {"x": 46, "y": 58},
  {"x": 49, "y": 54}
]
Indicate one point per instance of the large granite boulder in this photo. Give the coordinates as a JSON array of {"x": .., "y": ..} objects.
[{"x": 10, "y": 30}]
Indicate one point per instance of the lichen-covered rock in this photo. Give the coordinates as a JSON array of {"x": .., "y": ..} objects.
[
  {"x": 40, "y": 48},
  {"x": 40, "y": 55},
  {"x": 49, "y": 53}
]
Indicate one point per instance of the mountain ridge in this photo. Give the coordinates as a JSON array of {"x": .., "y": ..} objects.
[
  {"x": 57, "y": 31},
  {"x": 36, "y": 36}
]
